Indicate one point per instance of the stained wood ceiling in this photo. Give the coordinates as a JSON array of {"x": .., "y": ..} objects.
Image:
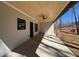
[{"x": 40, "y": 9}]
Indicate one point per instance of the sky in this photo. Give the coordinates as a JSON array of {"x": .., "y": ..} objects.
[{"x": 68, "y": 17}]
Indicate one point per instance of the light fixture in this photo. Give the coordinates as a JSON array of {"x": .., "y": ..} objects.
[{"x": 44, "y": 17}]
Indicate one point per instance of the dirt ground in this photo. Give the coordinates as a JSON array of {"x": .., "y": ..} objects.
[{"x": 71, "y": 40}]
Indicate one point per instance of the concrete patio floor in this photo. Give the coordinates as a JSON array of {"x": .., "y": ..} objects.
[{"x": 51, "y": 46}]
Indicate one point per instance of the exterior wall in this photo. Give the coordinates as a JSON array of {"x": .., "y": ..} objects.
[
  {"x": 51, "y": 31},
  {"x": 8, "y": 26},
  {"x": 45, "y": 26}
]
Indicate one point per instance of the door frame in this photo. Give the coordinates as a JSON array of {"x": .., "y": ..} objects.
[{"x": 31, "y": 29}]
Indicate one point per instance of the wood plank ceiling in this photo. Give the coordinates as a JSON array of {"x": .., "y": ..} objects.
[{"x": 40, "y": 10}]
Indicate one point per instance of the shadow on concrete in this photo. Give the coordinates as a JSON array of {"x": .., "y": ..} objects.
[
  {"x": 60, "y": 53},
  {"x": 54, "y": 41},
  {"x": 52, "y": 37}
]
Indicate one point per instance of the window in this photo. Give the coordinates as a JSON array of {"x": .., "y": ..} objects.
[
  {"x": 36, "y": 27},
  {"x": 21, "y": 24}
]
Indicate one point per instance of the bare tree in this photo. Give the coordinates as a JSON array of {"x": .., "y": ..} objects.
[
  {"x": 60, "y": 24},
  {"x": 77, "y": 30}
]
